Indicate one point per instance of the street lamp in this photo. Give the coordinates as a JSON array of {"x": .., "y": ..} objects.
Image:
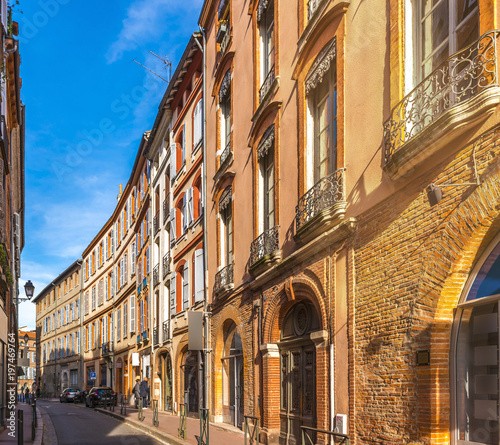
[
  {"x": 29, "y": 289},
  {"x": 26, "y": 338}
]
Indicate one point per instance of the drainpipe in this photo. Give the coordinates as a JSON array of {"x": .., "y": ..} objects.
[{"x": 204, "y": 194}]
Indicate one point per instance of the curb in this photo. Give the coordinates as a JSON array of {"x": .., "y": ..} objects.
[
  {"x": 39, "y": 429},
  {"x": 140, "y": 426}
]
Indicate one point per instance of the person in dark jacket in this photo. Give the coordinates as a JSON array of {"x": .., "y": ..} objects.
[
  {"x": 144, "y": 392},
  {"x": 137, "y": 391}
]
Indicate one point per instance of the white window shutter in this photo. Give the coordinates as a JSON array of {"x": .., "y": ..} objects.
[
  {"x": 190, "y": 206},
  {"x": 184, "y": 145},
  {"x": 125, "y": 274},
  {"x": 173, "y": 302},
  {"x": 198, "y": 275},
  {"x": 132, "y": 313},
  {"x": 185, "y": 286},
  {"x": 173, "y": 160},
  {"x": 172, "y": 224}
]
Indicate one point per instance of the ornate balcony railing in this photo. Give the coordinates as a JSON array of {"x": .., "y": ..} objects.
[
  {"x": 225, "y": 154},
  {"x": 107, "y": 348},
  {"x": 321, "y": 196},
  {"x": 166, "y": 264},
  {"x": 156, "y": 275},
  {"x": 266, "y": 243},
  {"x": 166, "y": 330},
  {"x": 224, "y": 277},
  {"x": 156, "y": 223},
  {"x": 155, "y": 336},
  {"x": 266, "y": 86},
  {"x": 166, "y": 210},
  {"x": 312, "y": 7},
  {"x": 458, "y": 79}
]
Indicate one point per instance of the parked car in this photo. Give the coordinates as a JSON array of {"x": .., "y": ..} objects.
[
  {"x": 70, "y": 395},
  {"x": 100, "y": 395}
]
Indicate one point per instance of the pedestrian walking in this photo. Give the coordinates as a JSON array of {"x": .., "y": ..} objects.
[
  {"x": 137, "y": 391},
  {"x": 27, "y": 395},
  {"x": 144, "y": 392}
]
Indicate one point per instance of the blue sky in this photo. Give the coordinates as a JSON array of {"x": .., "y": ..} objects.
[{"x": 87, "y": 106}]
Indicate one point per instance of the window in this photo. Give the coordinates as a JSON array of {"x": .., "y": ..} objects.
[
  {"x": 142, "y": 319},
  {"x": 185, "y": 286},
  {"x": 266, "y": 180},
  {"x": 132, "y": 313},
  {"x": 118, "y": 324},
  {"x": 442, "y": 27},
  {"x": 266, "y": 24},
  {"x": 125, "y": 319},
  {"x": 226, "y": 212},
  {"x": 77, "y": 342},
  {"x": 67, "y": 313},
  {"x": 198, "y": 124},
  {"x": 225, "y": 113},
  {"x": 199, "y": 284},
  {"x": 132, "y": 258}
]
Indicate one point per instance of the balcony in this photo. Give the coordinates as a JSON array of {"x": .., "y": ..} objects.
[
  {"x": 156, "y": 223},
  {"x": 107, "y": 348},
  {"x": 264, "y": 251},
  {"x": 225, "y": 155},
  {"x": 166, "y": 331},
  {"x": 166, "y": 265},
  {"x": 266, "y": 86},
  {"x": 225, "y": 42},
  {"x": 224, "y": 281},
  {"x": 222, "y": 31},
  {"x": 459, "y": 94},
  {"x": 156, "y": 275},
  {"x": 155, "y": 336},
  {"x": 322, "y": 207},
  {"x": 166, "y": 211}
]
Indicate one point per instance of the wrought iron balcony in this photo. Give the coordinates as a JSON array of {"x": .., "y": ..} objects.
[
  {"x": 225, "y": 42},
  {"x": 265, "y": 244},
  {"x": 155, "y": 336},
  {"x": 266, "y": 86},
  {"x": 463, "y": 78},
  {"x": 166, "y": 210},
  {"x": 224, "y": 280},
  {"x": 107, "y": 348},
  {"x": 225, "y": 154},
  {"x": 324, "y": 194},
  {"x": 166, "y": 330},
  {"x": 156, "y": 275},
  {"x": 156, "y": 223},
  {"x": 222, "y": 31},
  {"x": 166, "y": 264}
]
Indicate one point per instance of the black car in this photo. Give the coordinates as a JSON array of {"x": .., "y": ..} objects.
[
  {"x": 100, "y": 395},
  {"x": 70, "y": 395}
]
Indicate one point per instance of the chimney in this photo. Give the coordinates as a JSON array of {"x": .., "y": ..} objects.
[{"x": 120, "y": 193}]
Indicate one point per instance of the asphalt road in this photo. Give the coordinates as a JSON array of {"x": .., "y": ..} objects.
[{"x": 74, "y": 424}]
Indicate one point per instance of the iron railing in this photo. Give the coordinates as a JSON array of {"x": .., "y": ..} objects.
[
  {"x": 309, "y": 436},
  {"x": 155, "y": 336},
  {"x": 224, "y": 277},
  {"x": 225, "y": 154},
  {"x": 251, "y": 430},
  {"x": 204, "y": 427},
  {"x": 321, "y": 196},
  {"x": 156, "y": 223},
  {"x": 458, "y": 79},
  {"x": 107, "y": 348},
  {"x": 225, "y": 41},
  {"x": 166, "y": 330},
  {"x": 156, "y": 275},
  {"x": 166, "y": 210},
  {"x": 266, "y": 86},
  {"x": 166, "y": 264},
  {"x": 312, "y": 7},
  {"x": 266, "y": 243}
]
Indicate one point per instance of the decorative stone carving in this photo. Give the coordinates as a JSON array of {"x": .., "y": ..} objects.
[
  {"x": 225, "y": 86},
  {"x": 321, "y": 65},
  {"x": 225, "y": 199},
  {"x": 266, "y": 142}
]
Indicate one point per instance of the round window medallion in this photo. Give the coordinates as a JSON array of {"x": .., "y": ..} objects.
[{"x": 301, "y": 319}]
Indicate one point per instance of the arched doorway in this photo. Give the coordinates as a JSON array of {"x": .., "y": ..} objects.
[
  {"x": 165, "y": 366},
  {"x": 191, "y": 389},
  {"x": 298, "y": 372},
  {"x": 475, "y": 376},
  {"x": 232, "y": 378}
]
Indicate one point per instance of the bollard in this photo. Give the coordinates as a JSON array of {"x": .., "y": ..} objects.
[
  {"x": 33, "y": 421},
  {"x": 154, "y": 405},
  {"x": 20, "y": 427}
]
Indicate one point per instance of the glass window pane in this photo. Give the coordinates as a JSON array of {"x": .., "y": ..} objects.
[
  {"x": 435, "y": 28},
  {"x": 468, "y": 31},
  {"x": 464, "y": 8}
]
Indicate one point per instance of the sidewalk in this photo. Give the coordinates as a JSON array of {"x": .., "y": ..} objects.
[
  {"x": 169, "y": 424},
  {"x": 5, "y": 438}
]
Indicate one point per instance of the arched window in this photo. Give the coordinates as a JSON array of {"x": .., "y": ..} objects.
[{"x": 475, "y": 378}]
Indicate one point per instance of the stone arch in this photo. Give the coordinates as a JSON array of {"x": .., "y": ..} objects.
[
  {"x": 302, "y": 287},
  {"x": 456, "y": 249}
]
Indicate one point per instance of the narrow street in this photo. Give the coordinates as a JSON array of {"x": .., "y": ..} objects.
[{"x": 77, "y": 425}]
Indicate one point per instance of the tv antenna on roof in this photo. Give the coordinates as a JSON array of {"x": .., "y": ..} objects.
[
  {"x": 167, "y": 62},
  {"x": 157, "y": 75}
]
